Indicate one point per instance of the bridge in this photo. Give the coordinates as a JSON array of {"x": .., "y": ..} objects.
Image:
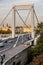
[{"x": 16, "y": 49}]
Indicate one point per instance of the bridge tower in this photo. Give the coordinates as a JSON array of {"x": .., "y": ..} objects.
[
  {"x": 13, "y": 23},
  {"x": 23, "y": 7},
  {"x": 32, "y": 20}
]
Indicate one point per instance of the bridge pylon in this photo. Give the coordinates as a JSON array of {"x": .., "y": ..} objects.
[
  {"x": 32, "y": 20},
  {"x": 13, "y": 23},
  {"x": 23, "y": 7}
]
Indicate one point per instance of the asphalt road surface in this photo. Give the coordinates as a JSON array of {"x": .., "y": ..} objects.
[{"x": 8, "y": 43}]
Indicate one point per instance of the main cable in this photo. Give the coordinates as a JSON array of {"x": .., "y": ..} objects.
[
  {"x": 5, "y": 17},
  {"x": 36, "y": 16},
  {"x": 22, "y": 19}
]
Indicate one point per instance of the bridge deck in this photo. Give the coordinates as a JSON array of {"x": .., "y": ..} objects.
[{"x": 13, "y": 51}]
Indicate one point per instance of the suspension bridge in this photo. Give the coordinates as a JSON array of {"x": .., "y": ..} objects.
[{"x": 16, "y": 48}]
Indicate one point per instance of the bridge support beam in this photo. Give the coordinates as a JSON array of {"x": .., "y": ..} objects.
[
  {"x": 32, "y": 20},
  {"x": 13, "y": 23}
]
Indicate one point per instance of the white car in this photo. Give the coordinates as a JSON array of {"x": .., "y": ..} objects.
[{"x": 1, "y": 44}]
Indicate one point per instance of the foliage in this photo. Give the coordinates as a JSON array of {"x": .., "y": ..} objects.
[
  {"x": 39, "y": 28},
  {"x": 38, "y": 60},
  {"x": 39, "y": 46},
  {"x": 5, "y": 32},
  {"x": 37, "y": 52},
  {"x": 8, "y": 31},
  {"x": 38, "y": 49}
]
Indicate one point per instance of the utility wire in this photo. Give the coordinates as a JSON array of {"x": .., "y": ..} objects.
[
  {"x": 24, "y": 23},
  {"x": 27, "y": 16}
]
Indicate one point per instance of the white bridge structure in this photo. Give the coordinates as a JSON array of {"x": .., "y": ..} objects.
[
  {"x": 16, "y": 55},
  {"x": 23, "y": 7},
  {"x": 15, "y": 10}
]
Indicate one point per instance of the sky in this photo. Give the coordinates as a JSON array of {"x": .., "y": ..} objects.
[{"x": 6, "y": 5}]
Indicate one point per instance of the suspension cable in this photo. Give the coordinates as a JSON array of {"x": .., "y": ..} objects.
[
  {"x": 24, "y": 23},
  {"x": 27, "y": 16},
  {"x": 36, "y": 16},
  {"x": 22, "y": 19},
  {"x": 5, "y": 17}
]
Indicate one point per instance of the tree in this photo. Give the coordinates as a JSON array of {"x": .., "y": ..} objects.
[
  {"x": 39, "y": 45},
  {"x": 38, "y": 49},
  {"x": 8, "y": 31},
  {"x": 39, "y": 28}
]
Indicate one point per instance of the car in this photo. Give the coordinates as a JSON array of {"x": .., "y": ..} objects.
[
  {"x": 26, "y": 43},
  {"x": 1, "y": 44}
]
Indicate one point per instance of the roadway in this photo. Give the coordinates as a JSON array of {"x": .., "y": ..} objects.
[
  {"x": 13, "y": 51},
  {"x": 9, "y": 43}
]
